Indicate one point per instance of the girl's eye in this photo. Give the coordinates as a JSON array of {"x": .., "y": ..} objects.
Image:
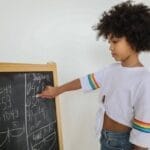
[{"x": 114, "y": 41}]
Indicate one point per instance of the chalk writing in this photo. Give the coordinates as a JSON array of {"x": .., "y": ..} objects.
[{"x": 26, "y": 122}]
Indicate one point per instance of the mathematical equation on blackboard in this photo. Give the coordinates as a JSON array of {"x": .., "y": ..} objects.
[{"x": 26, "y": 122}]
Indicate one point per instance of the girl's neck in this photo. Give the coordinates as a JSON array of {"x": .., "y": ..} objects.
[{"x": 132, "y": 61}]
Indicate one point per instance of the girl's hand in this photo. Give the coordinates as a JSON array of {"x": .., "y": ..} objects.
[
  {"x": 139, "y": 148},
  {"x": 49, "y": 92}
]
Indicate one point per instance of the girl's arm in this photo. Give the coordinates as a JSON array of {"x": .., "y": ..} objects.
[{"x": 51, "y": 92}]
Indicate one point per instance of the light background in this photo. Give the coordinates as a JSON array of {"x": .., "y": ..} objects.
[{"x": 39, "y": 31}]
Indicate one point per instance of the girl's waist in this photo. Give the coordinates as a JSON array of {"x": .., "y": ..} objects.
[{"x": 111, "y": 125}]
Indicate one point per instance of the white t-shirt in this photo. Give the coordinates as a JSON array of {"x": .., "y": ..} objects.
[{"x": 125, "y": 96}]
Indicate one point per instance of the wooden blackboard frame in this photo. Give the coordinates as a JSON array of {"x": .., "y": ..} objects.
[{"x": 49, "y": 67}]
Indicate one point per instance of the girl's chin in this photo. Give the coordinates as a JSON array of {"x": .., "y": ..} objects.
[{"x": 115, "y": 57}]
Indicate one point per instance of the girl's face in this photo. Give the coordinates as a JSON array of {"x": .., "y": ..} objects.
[{"x": 120, "y": 49}]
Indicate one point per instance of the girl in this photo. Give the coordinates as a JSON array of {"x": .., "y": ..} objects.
[{"x": 124, "y": 86}]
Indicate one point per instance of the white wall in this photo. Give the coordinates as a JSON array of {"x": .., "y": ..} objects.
[{"x": 38, "y": 31}]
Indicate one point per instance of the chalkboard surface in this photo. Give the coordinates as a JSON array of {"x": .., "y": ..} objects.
[{"x": 27, "y": 122}]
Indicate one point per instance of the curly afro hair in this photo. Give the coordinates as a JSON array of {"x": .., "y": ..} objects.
[{"x": 128, "y": 20}]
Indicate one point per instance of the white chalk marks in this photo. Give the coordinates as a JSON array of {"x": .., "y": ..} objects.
[{"x": 26, "y": 121}]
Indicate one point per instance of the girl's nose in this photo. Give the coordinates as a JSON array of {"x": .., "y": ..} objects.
[{"x": 111, "y": 48}]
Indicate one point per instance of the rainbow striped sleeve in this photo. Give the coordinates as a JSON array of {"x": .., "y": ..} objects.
[
  {"x": 141, "y": 126},
  {"x": 92, "y": 81}
]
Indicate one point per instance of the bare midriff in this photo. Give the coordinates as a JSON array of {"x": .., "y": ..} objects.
[{"x": 111, "y": 125}]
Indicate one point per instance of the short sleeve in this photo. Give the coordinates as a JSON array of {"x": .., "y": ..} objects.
[
  {"x": 140, "y": 133},
  {"x": 92, "y": 81}
]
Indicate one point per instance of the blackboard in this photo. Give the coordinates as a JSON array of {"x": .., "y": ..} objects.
[{"x": 26, "y": 121}]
